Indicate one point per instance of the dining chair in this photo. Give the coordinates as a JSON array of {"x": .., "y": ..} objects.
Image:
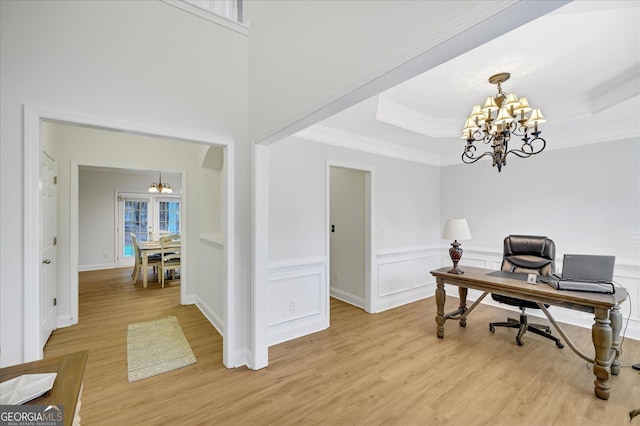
[
  {"x": 169, "y": 256},
  {"x": 152, "y": 260}
]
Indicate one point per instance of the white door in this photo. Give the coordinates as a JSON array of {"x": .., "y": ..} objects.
[{"x": 48, "y": 266}]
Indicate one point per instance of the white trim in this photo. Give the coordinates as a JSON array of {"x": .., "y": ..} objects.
[
  {"x": 412, "y": 251},
  {"x": 33, "y": 115},
  {"x": 96, "y": 267},
  {"x": 347, "y": 297},
  {"x": 260, "y": 246},
  {"x": 411, "y": 119},
  {"x": 31, "y": 278},
  {"x": 210, "y": 314},
  {"x": 344, "y": 139},
  {"x": 231, "y": 357},
  {"x": 483, "y": 22},
  {"x": 214, "y": 239},
  {"x": 295, "y": 264},
  {"x": 210, "y": 16}
]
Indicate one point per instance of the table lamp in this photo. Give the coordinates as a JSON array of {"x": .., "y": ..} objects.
[{"x": 455, "y": 229}]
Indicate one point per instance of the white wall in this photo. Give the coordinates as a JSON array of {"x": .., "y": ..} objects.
[
  {"x": 142, "y": 62},
  {"x": 586, "y": 199},
  {"x": 405, "y": 205}
]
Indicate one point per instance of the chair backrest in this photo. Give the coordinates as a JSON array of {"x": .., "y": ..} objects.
[
  {"x": 134, "y": 242},
  {"x": 529, "y": 254},
  {"x": 168, "y": 251}
]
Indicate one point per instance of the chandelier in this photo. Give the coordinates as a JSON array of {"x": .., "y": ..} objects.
[
  {"x": 501, "y": 118},
  {"x": 163, "y": 188}
]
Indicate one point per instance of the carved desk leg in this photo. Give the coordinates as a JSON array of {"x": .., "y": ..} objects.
[
  {"x": 616, "y": 324},
  {"x": 440, "y": 298},
  {"x": 462, "y": 292},
  {"x": 602, "y": 335}
]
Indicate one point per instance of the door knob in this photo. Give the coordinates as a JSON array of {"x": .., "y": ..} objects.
[{"x": 46, "y": 261}]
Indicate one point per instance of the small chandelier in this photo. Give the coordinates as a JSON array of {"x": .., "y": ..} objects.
[
  {"x": 162, "y": 188},
  {"x": 496, "y": 130}
]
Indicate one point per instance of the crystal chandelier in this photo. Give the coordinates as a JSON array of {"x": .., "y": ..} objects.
[
  {"x": 163, "y": 188},
  {"x": 503, "y": 117}
]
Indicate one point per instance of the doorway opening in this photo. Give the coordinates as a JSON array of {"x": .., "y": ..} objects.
[
  {"x": 349, "y": 234},
  {"x": 35, "y": 141}
]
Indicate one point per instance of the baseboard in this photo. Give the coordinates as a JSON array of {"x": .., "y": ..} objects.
[
  {"x": 298, "y": 328},
  {"x": 214, "y": 319},
  {"x": 65, "y": 321},
  {"x": 347, "y": 297},
  {"x": 97, "y": 267},
  {"x": 404, "y": 298}
]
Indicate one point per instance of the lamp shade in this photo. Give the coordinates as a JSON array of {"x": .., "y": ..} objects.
[{"x": 456, "y": 229}]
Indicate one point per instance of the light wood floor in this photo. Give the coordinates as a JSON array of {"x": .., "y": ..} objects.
[{"x": 387, "y": 368}]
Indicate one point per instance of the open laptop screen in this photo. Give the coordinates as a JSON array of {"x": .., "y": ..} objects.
[{"x": 588, "y": 267}]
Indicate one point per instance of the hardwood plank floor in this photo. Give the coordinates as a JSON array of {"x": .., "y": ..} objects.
[{"x": 387, "y": 368}]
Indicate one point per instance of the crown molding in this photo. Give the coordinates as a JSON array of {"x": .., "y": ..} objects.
[
  {"x": 336, "y": 137},
  {"x": 617, "y": 90},
  {"x": 399, "y": 115}
]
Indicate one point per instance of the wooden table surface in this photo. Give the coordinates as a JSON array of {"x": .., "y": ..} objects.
[{"x": 66, "y": 388}]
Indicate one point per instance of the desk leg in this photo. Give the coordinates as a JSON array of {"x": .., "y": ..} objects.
[
  {"x": 440, "y": 298},
  {"x": 145, "y": 267},
  {"x": 602, "y": 335},
  {"x": 462, "y": 292},
  {"x": 616, "y": 324}
]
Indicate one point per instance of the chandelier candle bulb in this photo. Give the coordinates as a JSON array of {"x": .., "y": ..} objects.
[{"x": 498, "y": 131}]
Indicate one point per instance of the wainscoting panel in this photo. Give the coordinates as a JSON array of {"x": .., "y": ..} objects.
[
  {"x": 210, "y": 291},
  {"x": 394, "y": 277},
  {"x": 403, "y": 276},
  {"x": 298, "y": 299}
]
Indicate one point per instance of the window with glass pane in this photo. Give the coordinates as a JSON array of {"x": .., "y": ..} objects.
[
  {"x": 169, "y": 216},
  {"x": 135, "y": 221}
]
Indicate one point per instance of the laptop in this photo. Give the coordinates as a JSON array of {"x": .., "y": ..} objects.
[
  {"x": 586, "y": 272},
  {"x": 587, "y": 267}
]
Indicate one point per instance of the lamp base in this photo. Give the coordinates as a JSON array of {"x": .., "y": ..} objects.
[{"x": 455, "y": 252}]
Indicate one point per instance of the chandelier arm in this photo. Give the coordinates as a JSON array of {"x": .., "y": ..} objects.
[
  {"x": 469, "y": 159},
  {"x": 520, "y": 152}
]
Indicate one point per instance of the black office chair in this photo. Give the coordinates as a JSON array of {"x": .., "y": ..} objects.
[{"x": 529, "y": 255}]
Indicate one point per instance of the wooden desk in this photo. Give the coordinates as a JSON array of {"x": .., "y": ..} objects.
[
  {"x": 67, "y": 387},
  {"x": 605, "y": 307},
  {"x": 151, "y": 247}
]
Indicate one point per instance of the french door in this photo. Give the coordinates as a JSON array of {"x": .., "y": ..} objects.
[{"x": 148, "y": 217}]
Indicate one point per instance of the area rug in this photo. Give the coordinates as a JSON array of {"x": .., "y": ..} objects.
[{"x": 155, "y": 347}]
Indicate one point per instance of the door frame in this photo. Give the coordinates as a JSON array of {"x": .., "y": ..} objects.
[
  {"x": 369, "y": 270},
  {"x": 33, "y": 116}
]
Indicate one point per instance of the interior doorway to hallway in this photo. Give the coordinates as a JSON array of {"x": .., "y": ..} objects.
[{"x": 349, "y": 235}]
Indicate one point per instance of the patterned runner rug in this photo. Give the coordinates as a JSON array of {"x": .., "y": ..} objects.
[{"x": 155, "y": 347}]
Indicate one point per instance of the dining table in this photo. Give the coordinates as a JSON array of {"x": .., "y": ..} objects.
[{"x": 152, "y": 247}]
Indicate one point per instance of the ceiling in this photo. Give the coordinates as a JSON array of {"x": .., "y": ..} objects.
[{"x": 579, "y": 64}]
